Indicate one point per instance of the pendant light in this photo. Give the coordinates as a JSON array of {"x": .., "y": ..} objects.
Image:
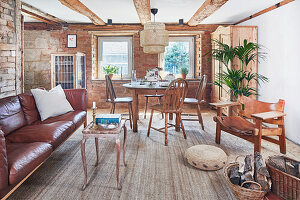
[{"x": 154, "y": 37}]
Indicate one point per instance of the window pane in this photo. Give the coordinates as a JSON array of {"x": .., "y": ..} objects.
[
  {"x": 115, "y": 53},
  {"x": 176, "y": 56}
]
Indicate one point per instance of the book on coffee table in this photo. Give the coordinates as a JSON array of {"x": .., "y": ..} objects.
[{"x": 108, "y": 119}]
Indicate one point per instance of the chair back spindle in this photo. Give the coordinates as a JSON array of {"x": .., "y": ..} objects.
[
  {"x": 110, "y": 92},
  {"x": 175, "y": 94},
  {"x": 201, "y": 88}
]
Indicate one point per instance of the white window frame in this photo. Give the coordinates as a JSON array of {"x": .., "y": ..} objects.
[
  {"x": 191, "y": 40},
  {"x": 102, "y": 39}
]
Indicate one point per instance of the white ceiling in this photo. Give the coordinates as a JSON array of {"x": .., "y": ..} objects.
[{"x": 123, "y": 11}]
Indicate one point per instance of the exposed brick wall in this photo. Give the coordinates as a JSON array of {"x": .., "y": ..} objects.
[
  {"x": 10, "y": 48},
  {"x": 40, "y": 44}
]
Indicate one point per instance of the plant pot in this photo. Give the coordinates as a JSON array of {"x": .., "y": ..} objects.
[
  {"x": 111, "y": 76},
  {"x": 183, "y": 76}
]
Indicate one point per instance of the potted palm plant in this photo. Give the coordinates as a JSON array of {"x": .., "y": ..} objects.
[
  {"x": 184, "y": 71},
  {"x": 238, "y": 77},
  {"x": 110, "y": 70}
]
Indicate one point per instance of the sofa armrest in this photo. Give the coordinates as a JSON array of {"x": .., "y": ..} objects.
[
  {"x": 77, "y": 98},
  {"x": 3, "y": 162}
]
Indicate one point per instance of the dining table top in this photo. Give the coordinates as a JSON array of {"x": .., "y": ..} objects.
[{"x": 145, "y": 86}]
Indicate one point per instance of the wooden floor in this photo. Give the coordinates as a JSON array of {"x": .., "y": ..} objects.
[{"x": 153, "y": 170}]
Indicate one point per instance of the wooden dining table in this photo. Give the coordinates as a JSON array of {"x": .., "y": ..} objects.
[{"x": 137, "y": 90}]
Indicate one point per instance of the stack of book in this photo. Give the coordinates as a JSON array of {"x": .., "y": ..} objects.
[{"x": 108, "y": 119}]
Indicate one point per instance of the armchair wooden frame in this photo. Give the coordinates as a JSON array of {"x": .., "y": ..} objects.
[
  {"x": 250, "y": 124},
  {"x": 172, "y": 104}
]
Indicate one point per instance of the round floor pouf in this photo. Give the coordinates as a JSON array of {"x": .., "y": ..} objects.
[{"x": 206, "y": 157}]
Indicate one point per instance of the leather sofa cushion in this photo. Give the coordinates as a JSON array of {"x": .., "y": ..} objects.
[
  {"x": 24, "y": 157},
  {"x": 77, "y": 117},
  {"x": 77, "y": 98},
  {"x": 29, "y": 108},
  {"x": 53, "y": 133},
  {"x": 3, "y": 162},
  {"x": 11, "y": 114}
]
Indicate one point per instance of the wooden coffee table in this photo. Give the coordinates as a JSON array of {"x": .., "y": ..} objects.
[{"x": 100, "y": 132}]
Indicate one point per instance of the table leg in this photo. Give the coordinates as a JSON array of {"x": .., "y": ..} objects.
[
  {"x": 118, "y": 162},
  {"x": 124, "y": 143},
  {"x": 135, "y": 109},
  {"x": 84, "y": 162},
  {"x": 97, "y": 149}
]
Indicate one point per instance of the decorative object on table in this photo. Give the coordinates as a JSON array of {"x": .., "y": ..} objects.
[
  {"x": 110, "y": 70},
  {"x": 172, "y": 104},
  {"x": 51, "y": 103},
  {"x": 170, "y": 77},
  {"x": 154, "y": 37},
  {"x": 285, "y": 175},
  {"x": 206, "y": 157},
  {"x": 152, "y": 74},
  {"x": 184, "y": 71},
  {"x": 248, "y": 179},
  {"x": 257, "y": 111},
  {"x": 108, "y": 119},
  {"x": 102, "y": 132},
  {"x": 113, "y": 99},
  {"x": 71, "y": 41},
  {"x": 94, "y": 126},
  {"x": 198, "y": 100},
  {"x": 238, "y": 78}
]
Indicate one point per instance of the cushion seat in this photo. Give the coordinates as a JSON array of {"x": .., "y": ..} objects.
[
  {"x": 53, "y": 133},
  {"x": 191, "y": 100},
  {"x": 77, "y": 117},
  {"x": 122, "y": 100},
  {"x": 24, "y": 157}
]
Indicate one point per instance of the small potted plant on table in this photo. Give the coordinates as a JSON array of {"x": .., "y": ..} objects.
[
  {"x": 184, "y": 71},
  {"x": 110, "y": 70}
]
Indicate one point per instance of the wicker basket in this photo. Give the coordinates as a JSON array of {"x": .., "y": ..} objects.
[
  {"x": 284, "y": 185},
  {"x": 241, "y": 192}
]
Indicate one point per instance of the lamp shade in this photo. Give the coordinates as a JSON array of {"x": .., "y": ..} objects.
[{"x": 154, "y": 38}]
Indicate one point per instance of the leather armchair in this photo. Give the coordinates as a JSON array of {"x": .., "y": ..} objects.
[{"x": 3, "y": 162}]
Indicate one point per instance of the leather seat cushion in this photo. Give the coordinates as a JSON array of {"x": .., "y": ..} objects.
[
  {"x": 53, "y": 133},
  {"x": 11, "y": 115},
  {"x": 23, "y": 158},
  {"x": 29, "y": 108},
  {"x": 77, "y": 117}
]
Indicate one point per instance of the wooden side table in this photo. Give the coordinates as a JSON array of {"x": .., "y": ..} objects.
[{"x": 100, "y": 132}]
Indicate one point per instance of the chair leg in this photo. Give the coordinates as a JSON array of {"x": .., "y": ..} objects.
[
  {"x": 282, "y": 142},
  {"x": 166, "y": 131},
  {"x": 200, "y": 116},
  {"x": 112, "y": 110},
  {"x": 182, "y": 127},
  {"x": 218, "y": 133},
  {"x": 146, "y": 107},
  {"x": 257, "y": 143},
  {"x": 160, "y": 102},
  {"x": 150, "y": 122},
  {"x": 129, "y": 112}
]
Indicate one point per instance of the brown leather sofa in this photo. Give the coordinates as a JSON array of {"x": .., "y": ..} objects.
[{"x": 26, "y": 141}]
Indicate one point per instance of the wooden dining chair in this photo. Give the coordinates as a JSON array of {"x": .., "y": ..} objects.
[
  {"x": 172, "y": 104},
  {"x": 113, "y": 99},
  {"x": 159, "y": 96},
  {"x": 251, "y": 122},
  {"x": 198, "y": 100}
]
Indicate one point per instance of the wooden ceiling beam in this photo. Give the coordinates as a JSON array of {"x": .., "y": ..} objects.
[
  {"x": 143, "y": 10},
  {"x": 39, "y": 15},
  {"x": 206, "y": 9},
  {"x": 265, "y": 10},
  {"x": 79, "y": 7}
]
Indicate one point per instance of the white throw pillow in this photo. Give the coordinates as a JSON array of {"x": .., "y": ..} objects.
[{"x": 51, "y": 103}]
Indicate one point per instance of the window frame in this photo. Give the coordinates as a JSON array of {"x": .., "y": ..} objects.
[
  {"x": 100, "y": 40},
  {"x": 191, "y": 40}
]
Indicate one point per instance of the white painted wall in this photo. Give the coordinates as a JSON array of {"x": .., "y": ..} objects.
[{"x": 279, "y": 31}]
